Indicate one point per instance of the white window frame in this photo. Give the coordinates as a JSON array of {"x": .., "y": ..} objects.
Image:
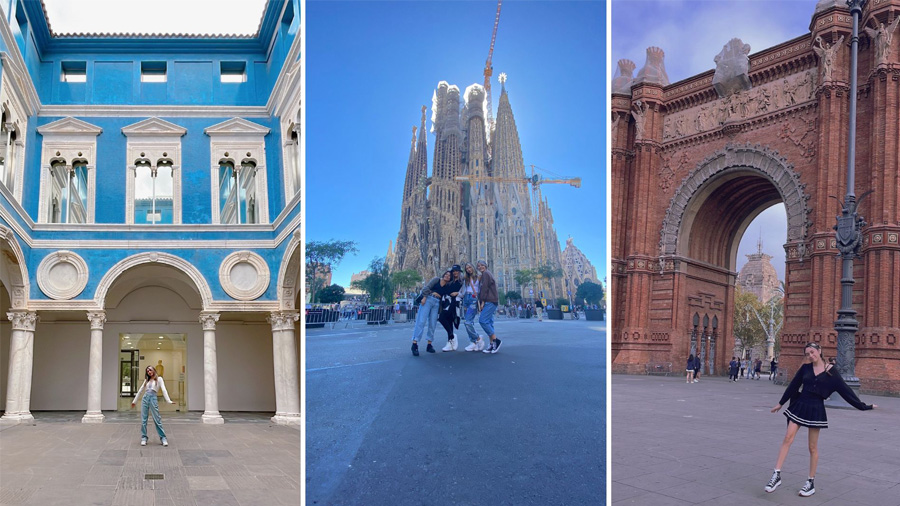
[
  {"x": 238, "y": 139},
  {"x": 153, "y": 139},
  {"x": 16, "y": 108},
  {"x": 68, "y": 139}
]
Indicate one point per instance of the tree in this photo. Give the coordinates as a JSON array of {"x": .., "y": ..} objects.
[
  {"x": 590, "y": 292},
  {"x": 524, "y": 277},
  {"x": 321, "y": 257},
  {"x": 748, "y": 332},
  {"x": 378, "y": 283},
  {"x": 513, "y": 296},
  {"x": 404, "y": 280},
  {"x": 331, "y": 294},
  {"x": 547, "y": 272}
]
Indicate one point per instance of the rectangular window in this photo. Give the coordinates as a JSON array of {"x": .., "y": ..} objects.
[
  {"x": 153, "y": 193},
  {"x": 237, "y": 193},
  {"x": 68, "y": 196},
  {"x": 73, "y": 72},
  {"x": 153, "y": 71},
  {"x": 233, "y": 71}
]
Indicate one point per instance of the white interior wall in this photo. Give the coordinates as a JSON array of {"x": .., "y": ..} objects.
[
  {"x": 245, "y": 365},
  {"x": 60, "y": 372}
]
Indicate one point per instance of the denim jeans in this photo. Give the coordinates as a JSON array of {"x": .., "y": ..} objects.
[
  {"x": 149, "y": 403},
  {"x": 470, "y": 309},
  {"x": 426, "y": 319},
  {"x": 487, "y": 317}
]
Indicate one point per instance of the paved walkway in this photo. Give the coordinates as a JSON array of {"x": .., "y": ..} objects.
[
  {"x": 715, "y": 443},
  {"x": 525, "y": 426},
  {"x": 57, "y": 461}
]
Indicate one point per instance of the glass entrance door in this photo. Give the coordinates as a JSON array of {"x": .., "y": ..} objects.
[{"x": 129, "y": 373}]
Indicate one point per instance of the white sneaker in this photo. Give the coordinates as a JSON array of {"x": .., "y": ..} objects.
[
  {"x": 455, "y": 342},
  {"x": 472, "y": 347},
  {"x": 448, "y": 346},
  {"x": 165, "y": 442},
  {"x": 480, "y": 344},
  {"x": 696, "y": 381},
  {"x": 143, "y": 442}
]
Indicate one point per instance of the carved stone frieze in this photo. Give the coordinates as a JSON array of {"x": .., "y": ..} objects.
[
  {"x": 97, "y": 319},
  {"x": 734, "y": 158},
  {"x": 208, "y": 320},
  {"x": 23, "y": 320},
  {"x": 741, "y": 106},
  {"x": 283, "y": 320}
]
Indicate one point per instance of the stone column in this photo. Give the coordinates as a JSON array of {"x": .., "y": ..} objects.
[
  {"x": 287, "y": 388},
  {"x": 21, "y": 361},
  {"x": 210, "y": 370},
  {"x": 95, "y": 368}
]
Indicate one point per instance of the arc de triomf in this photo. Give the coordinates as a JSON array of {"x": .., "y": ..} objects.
[{"x": 694, "y": 162}]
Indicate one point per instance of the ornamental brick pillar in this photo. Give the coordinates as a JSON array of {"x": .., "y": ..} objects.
[
  {"x": 95, "y": 368},
  {"x": 21, "y": 362},
  {"x": 287, "y": 384},
  {"x": 210, "y": 370}
]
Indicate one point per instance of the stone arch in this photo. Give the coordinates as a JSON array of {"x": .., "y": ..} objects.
[
  {"x": 289, "y": 273},
  {"x": 13, "y": 269},
  {"x": 756, "y": 159},
  {"x": 153, "y": 257}
]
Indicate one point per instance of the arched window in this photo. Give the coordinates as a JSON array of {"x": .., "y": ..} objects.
[
  {"x": 68, "y": 191},
  {"x": 153, "y": 191}
]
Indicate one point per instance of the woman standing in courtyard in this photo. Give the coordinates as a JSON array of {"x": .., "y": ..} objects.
[
  {"x": 152, "y": 384},
  {"x": 807, "y": 409}
]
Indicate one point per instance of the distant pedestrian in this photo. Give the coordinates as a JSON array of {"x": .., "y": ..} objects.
[
  {"x": 745, "y": 366},
  {"x": 773, "y": 368},
  {"x": 152, "y": 384},
  {"x": 733, "y": 367},
  {"x": 757, "y": 369},
  {"x": 487, "y": 300},
  {"x": 698, "y": 364},
  {"x": 690, "y": 369},
  {"x": 539, "y": 309}
]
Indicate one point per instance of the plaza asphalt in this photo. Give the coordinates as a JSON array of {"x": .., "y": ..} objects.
[
  {"x": 60, "y": 461},
  {"x": 715, "y": 443},
  {"x": 523, "y": 426}
]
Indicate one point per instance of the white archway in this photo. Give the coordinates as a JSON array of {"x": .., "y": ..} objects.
[{"x": 148, "y": 258}]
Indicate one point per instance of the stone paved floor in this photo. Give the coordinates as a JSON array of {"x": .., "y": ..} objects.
[
  {"x": 715, "y": 443},
  {"x": 58, "y": 461}
]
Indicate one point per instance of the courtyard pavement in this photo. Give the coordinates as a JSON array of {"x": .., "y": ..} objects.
[
  {"x": 715, "y": 443},
  {"x": 525, "y": 426},
  {"x": 60, "y": 461}
]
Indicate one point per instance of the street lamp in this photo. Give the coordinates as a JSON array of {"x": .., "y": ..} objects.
[{"x": 848, "y": 229}]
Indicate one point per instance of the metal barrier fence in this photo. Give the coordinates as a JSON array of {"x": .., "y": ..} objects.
[
  {"x": 348, "y": 316},
  {"x": 661, "y": 368}
]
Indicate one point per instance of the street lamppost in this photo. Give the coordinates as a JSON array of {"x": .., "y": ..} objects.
[{"x": 849, "y": 225}]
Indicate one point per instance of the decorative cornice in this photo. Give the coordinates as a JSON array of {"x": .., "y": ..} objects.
[
  {"x": 69, "y": 126},
  {"x": 153, "y": 127}
]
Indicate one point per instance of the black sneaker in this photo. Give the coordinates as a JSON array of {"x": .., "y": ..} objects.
[
  {"x": 774, "y": 482},
  {"x": 415, "y": 349},
  {"x": 430, "y": 348},
  {"x": 496, "y": 347},
  {"x": 490, "y": 348},
  {"x": 808, "y": 489}
]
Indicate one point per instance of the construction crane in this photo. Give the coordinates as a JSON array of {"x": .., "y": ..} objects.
[
  {"x": 489, "y": 70},
  {"x": 536, "y": 180}
]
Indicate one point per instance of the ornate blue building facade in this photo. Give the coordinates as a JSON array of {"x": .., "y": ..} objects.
[{"x": 149, "y": 215}]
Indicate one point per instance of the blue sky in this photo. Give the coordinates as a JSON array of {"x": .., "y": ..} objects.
[
  {"x": 372, "y": 65},
  {"x": 691, "y": 33}
]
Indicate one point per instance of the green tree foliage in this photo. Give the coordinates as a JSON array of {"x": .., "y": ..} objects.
[
  {"x": 378, "y": 283},
  {"x": 748, "y": 332},
  {"x": 321, "y": 257},
  {"x": 524, "y": 277},
  {"x": 513, "y": 296},
  {"x": 331, "y": 294},
  {"x": 406, "y": 280},
  {"x": 549, "y": 272},
  {"x": 590, "y": 292}
]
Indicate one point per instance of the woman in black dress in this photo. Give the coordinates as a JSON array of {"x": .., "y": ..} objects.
[{"x": 807, "y": 409}]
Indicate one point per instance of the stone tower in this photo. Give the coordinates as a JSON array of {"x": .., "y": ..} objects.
[
  {"x": 758, "y": 275},
  {"x": 577, "y": 267}
]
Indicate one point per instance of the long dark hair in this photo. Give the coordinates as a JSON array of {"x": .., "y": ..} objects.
[{"x": 147, "y": 375}]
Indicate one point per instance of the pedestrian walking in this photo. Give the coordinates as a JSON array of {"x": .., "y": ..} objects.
[
  {"x": 733, "y": 367},
  {"x": 773, "y": 368},
  {"x": 698, "y": 364},
  {"x": 449, "y": 305},
  {"x": 757, "y": 369},
  {"x": 539, "y": 309},
  {"x": 807, "y": 409},
  {"x": 152, "y": 384},
  {"x": 745, "y": 366},
  {"x": 487, "y": 300},
  {"x": 427, "y": 316},
  {"x": 471, "y": 286},
  {"x": 690, "y": 369}
]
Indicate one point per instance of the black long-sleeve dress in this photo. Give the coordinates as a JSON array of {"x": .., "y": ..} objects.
[{"x": 807, "y": 407}]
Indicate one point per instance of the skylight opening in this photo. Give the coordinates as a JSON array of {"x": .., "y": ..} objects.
[
  {"x": 73, "y": 72},
  {"x": 233, "y": 71}
]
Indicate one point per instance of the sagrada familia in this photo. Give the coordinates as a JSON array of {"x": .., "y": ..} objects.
[{"x": 446, "y": 221}]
